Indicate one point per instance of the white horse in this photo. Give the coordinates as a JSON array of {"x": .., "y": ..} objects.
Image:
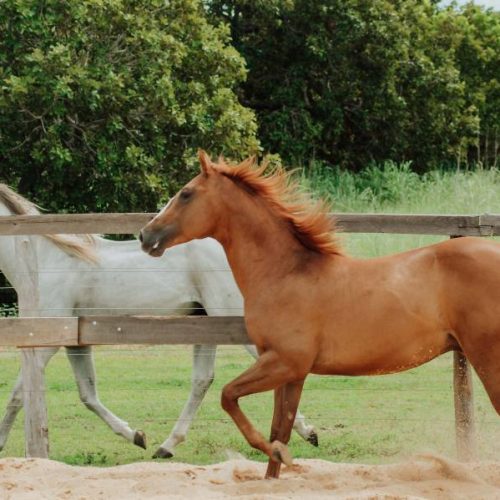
[{"x": 95, "y": 276}]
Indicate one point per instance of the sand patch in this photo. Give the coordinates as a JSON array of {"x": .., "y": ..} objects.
[{"x": 427, "y": 476}]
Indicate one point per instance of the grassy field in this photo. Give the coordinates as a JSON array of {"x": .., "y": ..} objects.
[{"x": 362, "y": 419}]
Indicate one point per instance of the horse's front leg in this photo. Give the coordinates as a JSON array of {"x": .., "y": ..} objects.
[
  {"x": 286, "y": 401},
  {"x": 306, "y": 431},
  {"x": 269, "y": 372},
  {"x": 16, "y": 402},
  {"x": 82, "y": 362},
  {"x": 201, "y": 379}
]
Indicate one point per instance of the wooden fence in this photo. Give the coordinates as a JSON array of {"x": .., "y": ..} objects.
[{"x": 29, "y": 333}]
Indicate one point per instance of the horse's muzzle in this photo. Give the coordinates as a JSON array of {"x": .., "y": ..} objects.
[{"x": 155, "y": 242}]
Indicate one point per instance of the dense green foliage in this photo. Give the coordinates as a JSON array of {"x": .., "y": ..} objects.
[
  {"x": 354, "y": 81},
  {"x": 104, "y": 103},
  {"x": 478, "y": 59}
]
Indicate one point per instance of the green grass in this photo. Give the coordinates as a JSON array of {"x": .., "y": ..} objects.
[
  {"x": 395, "y": 188},
  {"x": 362, "y": 419}
]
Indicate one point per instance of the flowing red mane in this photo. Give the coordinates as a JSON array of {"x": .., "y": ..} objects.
[{"x": 308, "y": 219}]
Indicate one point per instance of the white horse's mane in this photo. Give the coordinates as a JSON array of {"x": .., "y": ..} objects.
[{"x": 82, "y": 247}]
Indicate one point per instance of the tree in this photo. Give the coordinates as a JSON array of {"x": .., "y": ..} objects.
[
  {"x": 353, "y": 81},
  {"x": 478, "y": 59},
  {"x": 103, "y": 103}
]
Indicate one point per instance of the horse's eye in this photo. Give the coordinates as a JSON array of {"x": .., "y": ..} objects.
[{"x": 185, "y": 194}]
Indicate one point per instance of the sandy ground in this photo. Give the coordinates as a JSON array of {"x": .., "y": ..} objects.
[{"x": 422, "y": 477}]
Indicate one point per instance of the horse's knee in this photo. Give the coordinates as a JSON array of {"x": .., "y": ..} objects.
[
  {"x": 89, "y": 401},
  {"x": 16, "y": 399},
  {"x": 201, "y": 385},
  {"x": 228, "y": 399},
  {"x": 89, "y": 404}
]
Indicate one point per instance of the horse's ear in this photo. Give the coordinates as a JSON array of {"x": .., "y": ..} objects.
[{"x": 205, "y": 162}]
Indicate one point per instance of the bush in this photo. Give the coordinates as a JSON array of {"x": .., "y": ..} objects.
[{"x": 103, "y": 103}]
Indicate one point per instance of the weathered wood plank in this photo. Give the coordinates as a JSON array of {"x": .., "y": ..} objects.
[
  {"x": 38, "y": 332},
  {"x": 213, "y": 330},
  {"x": 73, "y": 223},
  {"x": 111, "y": 223},
  {"x": 489, "y": 225},
  {"x": 466, "y": 225},
  {"x": 464, "y": 408},
  {"x": 465, "y": 433},
  {"x": 36, "y": 430}
]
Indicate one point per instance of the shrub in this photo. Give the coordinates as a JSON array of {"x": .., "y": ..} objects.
[{"x": 103, "y": 103}]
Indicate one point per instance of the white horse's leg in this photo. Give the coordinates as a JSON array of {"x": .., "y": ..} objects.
[
  {"x": 15, "y": 402},
  {"x": 304, "y": 430},
  {"x": 201, "y": 379},
  {"x": 82, "y": 362}
]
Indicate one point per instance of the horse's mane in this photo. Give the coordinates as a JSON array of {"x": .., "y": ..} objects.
[
  {"x": 82, "y": 247},
  {"x": 307, "y": 219}
]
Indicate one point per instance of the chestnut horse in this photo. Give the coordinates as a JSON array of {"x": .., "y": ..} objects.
[{"x": 311, "y": 309}]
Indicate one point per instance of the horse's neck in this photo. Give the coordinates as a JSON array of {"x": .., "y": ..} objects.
[{"x": 258, "y": 245}]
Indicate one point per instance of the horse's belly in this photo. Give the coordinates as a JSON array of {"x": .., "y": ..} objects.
[{"x": 382, "y": 352}]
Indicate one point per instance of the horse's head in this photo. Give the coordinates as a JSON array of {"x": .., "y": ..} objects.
[{"x": 191, "y": 214}]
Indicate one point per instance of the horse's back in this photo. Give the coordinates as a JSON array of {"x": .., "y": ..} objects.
[{"x": 470, "y": 269}]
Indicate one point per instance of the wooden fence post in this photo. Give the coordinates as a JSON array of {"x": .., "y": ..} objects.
[
  {"x": 36, "y": 432},
  {"x": 465, "y": 432},
  {"x": 464, "y": 408}
]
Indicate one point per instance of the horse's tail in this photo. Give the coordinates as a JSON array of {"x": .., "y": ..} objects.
[{"x": 81, "y": 247}]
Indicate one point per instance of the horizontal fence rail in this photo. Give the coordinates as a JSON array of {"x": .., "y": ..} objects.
[
  {"x": 463, "y": 225},
  {"x": 38, "y": 332},
  {"x": 120, "y": 330}
]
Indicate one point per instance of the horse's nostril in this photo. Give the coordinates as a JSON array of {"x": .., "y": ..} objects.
[{"x": 141, "y": 239}]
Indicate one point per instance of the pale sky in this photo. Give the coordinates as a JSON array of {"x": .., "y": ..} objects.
[{"x": 487, "y": 3}]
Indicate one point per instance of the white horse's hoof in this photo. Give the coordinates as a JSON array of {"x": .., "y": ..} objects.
[
  {"x": 313, "y": 439},
  {"x": 140, "y": 439},
  {"x": 162, "y": 453}
]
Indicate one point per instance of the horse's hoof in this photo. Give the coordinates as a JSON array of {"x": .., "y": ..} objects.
[
  {"x": 281, "y": 454},
  {"x": 140, "y": 439},
  {"x": 313, "y": 439},
  {"x": 162, "y": 453}
]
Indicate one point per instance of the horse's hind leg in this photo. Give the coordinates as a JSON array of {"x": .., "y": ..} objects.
[
  {"x": 15, "y": 402},
  {"x": 201, "y": 379},
  {"x": 486, "y": 362},
  {"x": 82, "y": 362},
  {"x": 491, "y": 382}
]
